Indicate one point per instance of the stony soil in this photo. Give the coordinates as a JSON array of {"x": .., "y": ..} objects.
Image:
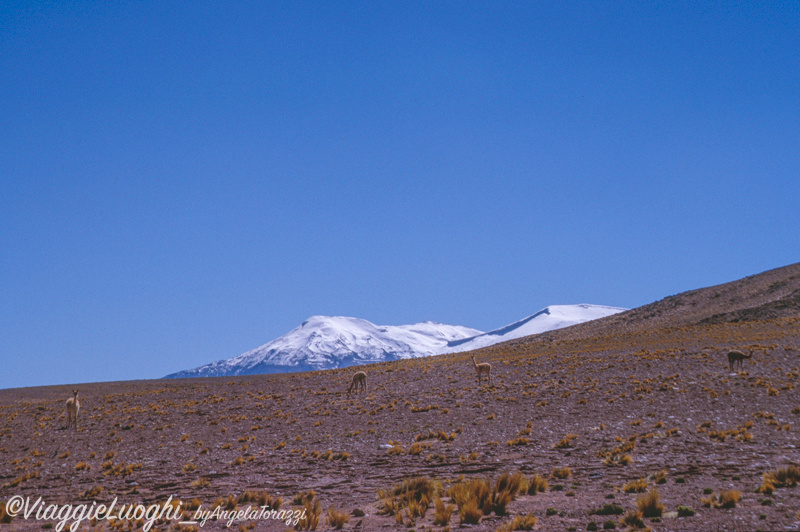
[{"x": 665, "y": 397}]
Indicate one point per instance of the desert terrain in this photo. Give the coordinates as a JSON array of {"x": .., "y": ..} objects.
[{"x": 634, "y": 421}]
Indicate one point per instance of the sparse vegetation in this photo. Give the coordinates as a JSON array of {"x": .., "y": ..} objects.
[
  {"x": 609, "y": 509},
  {"x": 726, "y": 499},
  {"x": 561, "y": 472},
  {"x": 635, "y": 486},
  {"x": 537, "y": 484},
  {"x": 650, "y": 505},
  {"x": 312, "y": 511},
  {"x": 520, "y": 522},
  {"x": 581, "y": 441},
  {"x": 480, "y": 495},
  {"x": 411, "y": 498},
  {"x": 336, "y": 519},
  {"x": 779, "y": 478},
  {"x": 442, "y": 513}
]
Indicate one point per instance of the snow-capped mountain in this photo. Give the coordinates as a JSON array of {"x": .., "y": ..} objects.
[
  {"x": 547, "y": 319},
  {"x": 324, "y": 342}
]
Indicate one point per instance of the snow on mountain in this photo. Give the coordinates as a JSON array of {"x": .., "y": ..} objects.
[
  {"x": 324, "y": 342},
  {"x": 547, "y": 319}
]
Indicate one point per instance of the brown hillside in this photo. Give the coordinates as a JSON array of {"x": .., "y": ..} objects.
[
  {"x": 590, "y": 419},
  {"x": 769, "y": 295}
]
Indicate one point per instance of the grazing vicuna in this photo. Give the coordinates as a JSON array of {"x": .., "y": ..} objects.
[
  {"x": 73, "y": 407},
  {"x": 481, "y": 368},
  {"x": 737, "y": 356},
  {"x": 359, "y": 379}
]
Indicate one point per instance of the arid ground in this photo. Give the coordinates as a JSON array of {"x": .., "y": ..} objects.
[{"x": 577, "y": 428}]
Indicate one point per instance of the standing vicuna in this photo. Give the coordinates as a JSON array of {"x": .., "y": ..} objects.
[
  {"x": 359, "y": 379},
  {"x": 73, "y": 407},
  {"x": 483, "y": 367},
  {"x": 737, "y": 356}
]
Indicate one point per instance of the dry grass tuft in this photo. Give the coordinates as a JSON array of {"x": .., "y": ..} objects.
[
  {"x": 262, "y": 498},
  {"x": 566, "y": 442},
  {"x": 537, "y": 484},
  {"x": 479, "y": 495},
  {"x": 441, "y": 516},
  {"x": 633, "y": 520},
  {"x": 5, "y": 518},
  {"x": 650, "y": 505},
  {"x": 92, "y": 492},
  {"x": 635, "y": 486},
  {"x": 412, "y": 497},
  {"x": 312, "y": 511},
  {"x": 561, "y": 472},
  {"x": 729, "y": 499},
  {"x": 784, "y": 477},
  {"x": 520, "y": 522},
  {"x": 337, "y": 519}
]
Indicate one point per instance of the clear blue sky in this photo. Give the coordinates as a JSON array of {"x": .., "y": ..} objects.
[{"x": 182, "y": 182}]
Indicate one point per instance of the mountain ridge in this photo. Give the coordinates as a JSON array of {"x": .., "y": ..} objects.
[
  {"x": 772, "y": 294},
  {"x": 329, "y": 342}
]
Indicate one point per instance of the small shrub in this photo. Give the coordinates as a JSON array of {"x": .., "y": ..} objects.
[
  {"x": 561, "y": 472},
  {"x": 660, "y": 477},
  {"x": 412, "y": 496},
  {"x": 783, "y": 477},
  {"x": 470, "y": 513},
  {"x": 415, "y": 449},
  {"x": 709, "y": 502},
  {"x": 93, "y": 492},
  {"x": 201, "y": 482},
  {"x": 442, "y": 513},
  {"x": 301, "y": 498},
  {"x": 395, "y": 450},
  {"x": 537, "y": 484},
  {"x": 767, "y": 486},
  {"x": 633, "y": 519},
  {"x": 520, "y": 522},
  {"x": 685, "y": 511},
  {"x": 650, "y": 505},
  {"x": 5, "y": 517},
  {"x": 226, "y": 503},
  {"x": 729, "y": 498},
  {"x": 566, "y": 443},
  {"x": 312, "y": 511},
  {"x": 609, "y": 509},
  {"x": 337, "y": 519},
  {"x": 635, "y": 486}
]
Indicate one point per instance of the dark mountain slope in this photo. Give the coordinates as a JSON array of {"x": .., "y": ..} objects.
[{"x": 768, "y": 295}]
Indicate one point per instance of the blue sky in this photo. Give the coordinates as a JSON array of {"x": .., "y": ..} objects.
[{"x": 182, "y": 182}]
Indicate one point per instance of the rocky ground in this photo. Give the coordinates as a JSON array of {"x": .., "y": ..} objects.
[{"x": 604, "y": 420}]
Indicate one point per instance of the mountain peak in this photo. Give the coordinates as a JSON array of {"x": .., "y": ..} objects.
[
  {"x": 326, "y": 342},
  {"x": 547, "y": 319}
]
